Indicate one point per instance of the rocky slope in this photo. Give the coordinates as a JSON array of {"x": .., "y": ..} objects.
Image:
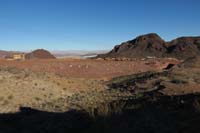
[{"x": 153, "y": 45}]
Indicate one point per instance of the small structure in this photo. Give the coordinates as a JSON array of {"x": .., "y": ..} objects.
[{"x": 19, "y": 56}]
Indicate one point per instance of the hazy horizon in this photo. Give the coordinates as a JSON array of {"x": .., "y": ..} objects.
[{"x": 92, "y": 24}]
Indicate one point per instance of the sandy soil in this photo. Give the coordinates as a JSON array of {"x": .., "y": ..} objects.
[{"x": 92, "y": 69}]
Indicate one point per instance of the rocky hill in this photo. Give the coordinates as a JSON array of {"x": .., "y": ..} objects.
[
  {"x": 40, "y": 54},
  {"x": 153, "y": 45}
]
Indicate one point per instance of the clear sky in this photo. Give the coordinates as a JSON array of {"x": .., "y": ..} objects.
[{"x": 92, "y": 24}]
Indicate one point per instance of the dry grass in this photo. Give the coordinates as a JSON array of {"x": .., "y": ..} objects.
[{"x": 26, "y": 88}]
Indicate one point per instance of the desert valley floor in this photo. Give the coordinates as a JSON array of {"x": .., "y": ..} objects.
[
  {"x": 33, "y": 82},
  {"x": 90, "y": 94}
]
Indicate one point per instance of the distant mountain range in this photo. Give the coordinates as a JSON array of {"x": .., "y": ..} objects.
[
  {"x": 4, "y": 54},
  {"x": 77, "y": 53},
  {"x": 41, "y": 53},
  {"x": 153, "y": 45},
  {"x": 36, "y": 54}
]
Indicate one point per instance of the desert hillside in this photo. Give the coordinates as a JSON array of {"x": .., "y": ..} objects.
[{"x": 153, "y": 45}]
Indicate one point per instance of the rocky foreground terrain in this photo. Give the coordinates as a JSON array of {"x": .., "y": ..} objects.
[{"x": 166, "y": 100}]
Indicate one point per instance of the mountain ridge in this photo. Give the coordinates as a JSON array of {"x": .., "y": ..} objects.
[{"x": 153, "y": 45}]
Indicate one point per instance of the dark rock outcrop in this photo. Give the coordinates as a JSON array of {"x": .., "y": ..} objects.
[
  {"x": 154, "y": 46},
  {"x": 39, "y": 54}
]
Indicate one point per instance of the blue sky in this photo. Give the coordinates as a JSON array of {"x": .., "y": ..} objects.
[{"x": 92, "y": 24}]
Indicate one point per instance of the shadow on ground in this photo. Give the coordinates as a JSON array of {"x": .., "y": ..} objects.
[{"x": 151, "y": 113}]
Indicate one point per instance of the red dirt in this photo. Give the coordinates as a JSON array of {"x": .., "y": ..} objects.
[{"x": 95, "y": 69}]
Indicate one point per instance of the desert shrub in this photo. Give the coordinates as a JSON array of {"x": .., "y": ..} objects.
[
  {"x": 1, "y": 98},
  {"x": 50, "y": 95},
  {"x": 26, "y": 74},
  {"x": 13, "y": 70},
  {"x": 108, "y": 109},
  {"x": 37, "y": 98},
  {"x": 10, "y": 97},
  {"x": 1, "y": 80},
  {"x": 98, "y": 104},
  {"x": 5, "y": 102},
  {"x": 17, "y": 77}
]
